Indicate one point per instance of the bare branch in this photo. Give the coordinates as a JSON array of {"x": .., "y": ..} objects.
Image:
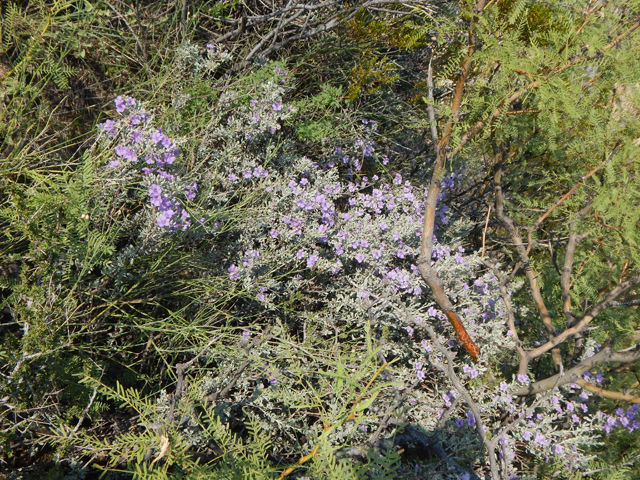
[
  {"x": 511, "y": 322},
  {"x": 534, "y": 286},
  {"x": 450, "y": 373},
  {"x": 601, "y": 392},
  {"x": 428, "y": 224},
  {"x": 607, "y": 354},
  {"x": 586, "y": 319}
]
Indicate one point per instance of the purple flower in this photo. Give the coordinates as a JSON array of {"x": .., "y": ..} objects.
[
  {"x": 253, "y": 102},
  {"x": 540, "y": 439},
  {"x": 137, "y": 137},
  {"x": 273, "y": 232},
  {"x": 169, "y": 157},
  {"x": 246, "y": 333},
  {"x": 523, "y": 378},
  {"x": 130, "y": 101},
  {"x": 156, "y": 201},
  {"x": 504, "y": 387},
  {"x": 155, "y": 190},
  {"x": 377, "y": 254},
  {"x": 232, "y": 177},
  {"x": 246, "y": 174},
  {"x": 166, "y": 176},
  {"x": 367, "y": 150},
  {"x": 210, "y": 47},
  {"x": 410, "y": 332},
  {"x": 557, "y": 449},
  {"x": 473, "y": 373},
  {"x": 114, "y": 163},
  {"x": 575, "y": 418},
  {"x": 459, "y": 423},
  {"x": 126, "y": 153},
  {"x": 191, "y": 191},
  {"x": 311, "y": 261},
  {"x": 234, "y": 273},
  {"x": 301, "y": 254},
  {"x": 255, "y": 118},
  {"x": 471, "y": 420},
  {"x": 420, "y": 375},
  {"x": 120, "y": 106},
  {"x": 360, "y": 258},
  {"x": 276, "y": 107},
  {"x": 157, "y": 136},
  {"x": 108, "y": 125},
  {"x": 526, "y": 435},
  {"x": 165, "y": 219}
]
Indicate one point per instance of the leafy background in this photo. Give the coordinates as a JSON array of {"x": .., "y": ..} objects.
[{"x": 99, "y": 310}]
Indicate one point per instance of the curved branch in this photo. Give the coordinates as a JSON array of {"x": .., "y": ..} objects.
[
  {"x": 607, "y": 354},
  {"x": 534, "y": 286},
  {"x": 428, "y": 224},
  {"x": 601, "y": 392},
  {"x": 594, "y": 311}
]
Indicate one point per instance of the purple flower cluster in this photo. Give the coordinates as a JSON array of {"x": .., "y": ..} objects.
[
  {"x": 147, "y": 151},
  {"x": 623, "y": 419}
]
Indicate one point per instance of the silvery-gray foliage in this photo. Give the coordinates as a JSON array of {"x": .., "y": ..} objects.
[{"x": 319, "y": 257}]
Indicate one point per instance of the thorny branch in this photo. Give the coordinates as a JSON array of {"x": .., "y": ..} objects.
[{"x": 511, "y": 321}]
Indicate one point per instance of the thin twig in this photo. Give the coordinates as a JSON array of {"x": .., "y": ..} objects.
[
  {"x": 534, "y": 286},
  {"x": 450, "y": 373},
  {"x": 586, "y": 319},
  {"x": 484, "y": 231}
]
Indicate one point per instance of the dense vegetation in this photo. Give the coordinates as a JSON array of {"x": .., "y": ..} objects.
[{"x": 370, "y": 239}]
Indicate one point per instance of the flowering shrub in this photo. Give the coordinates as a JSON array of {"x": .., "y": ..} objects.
[
  {"x": 325, "y": 252},
  {"x": 234, "y": 301},
  {"x": 143, "y": 150}
]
